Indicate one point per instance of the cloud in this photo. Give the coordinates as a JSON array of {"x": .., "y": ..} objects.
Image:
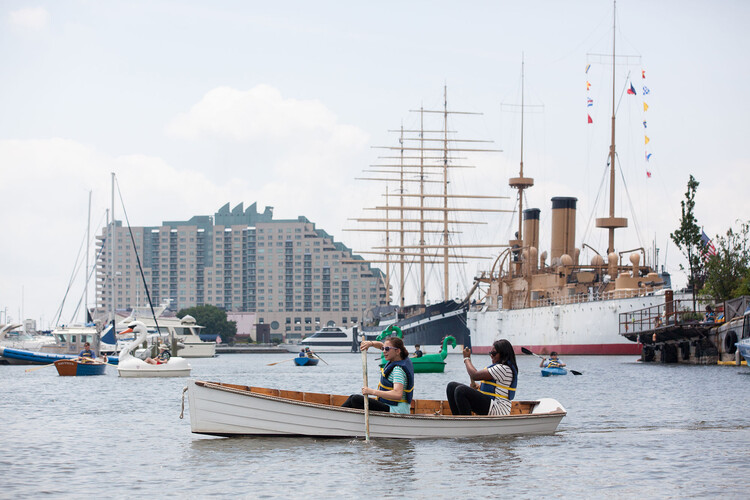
[
  {"x": 32, "y": 19},
  {"x": 258, "y": 114}
]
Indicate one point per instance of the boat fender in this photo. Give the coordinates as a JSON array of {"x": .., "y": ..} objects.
[{"x": 730, "y": 341}]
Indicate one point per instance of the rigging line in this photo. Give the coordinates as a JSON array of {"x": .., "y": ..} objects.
[
  {"x": 137, "y": 257},
  {"x": 76, "y": 267},
  {"x": 91, "y": 273},
  {"x": 630, "y": 203},
  {"x": 596, "y": 203}
]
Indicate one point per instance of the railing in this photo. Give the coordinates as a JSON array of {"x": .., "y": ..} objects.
[{"x": 676, "y": 312}]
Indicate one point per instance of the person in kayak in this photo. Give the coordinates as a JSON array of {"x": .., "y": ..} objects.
[
  {"x": 396, "y": 386},
  {"x": 552, "y": 362},
  {"x": 496, "y": 388}
]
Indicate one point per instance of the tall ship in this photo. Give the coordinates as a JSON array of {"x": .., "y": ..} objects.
[
  {"x": 420, "y": 223},
  {"x": 558, "y": 302}
]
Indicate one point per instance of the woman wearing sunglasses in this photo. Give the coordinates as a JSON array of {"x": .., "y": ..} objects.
[
  {"x": 497, "y": 384},
  {"x": 396, "y": 387}
]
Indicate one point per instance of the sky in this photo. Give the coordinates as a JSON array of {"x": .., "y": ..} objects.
[{"x": 196, "y": 104}]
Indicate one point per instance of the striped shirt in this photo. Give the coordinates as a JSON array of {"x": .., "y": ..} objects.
[{"x": 502, "y": 375}]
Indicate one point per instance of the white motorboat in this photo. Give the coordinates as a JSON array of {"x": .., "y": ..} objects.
[
  {"x": 10, "y": 336},
  {"x": 185, "y": 330},
  {"x": 328, "y": 339},
  {"x": 234, "y": 410},
  {"x": 132, "y": 367}
]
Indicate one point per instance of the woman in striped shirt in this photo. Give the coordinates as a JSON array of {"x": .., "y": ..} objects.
[{"x": 496, "y": 388}]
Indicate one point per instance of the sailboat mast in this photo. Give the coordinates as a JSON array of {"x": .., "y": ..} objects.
[
  {"x": 86, "y": 282},
  {"x": 112, "y": 258},
  {"x": 402, "y": 226}
]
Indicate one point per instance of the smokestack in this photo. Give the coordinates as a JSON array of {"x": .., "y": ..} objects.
[
  {"x": 531, "y": 228},
  {"x": 563, "y": 226}
]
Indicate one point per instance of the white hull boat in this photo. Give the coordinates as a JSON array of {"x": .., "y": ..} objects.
[
  {"x": 328, "y": 339},
  {"x": 233, "y": 410},
  {"x": 132, "y": 367},
  {"x": 587, "y": 327}
]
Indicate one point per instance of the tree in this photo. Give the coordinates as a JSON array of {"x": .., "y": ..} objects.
[
  {"x": 728, "y": 272},
  {"x": 214, "y": 319},
  {"x": 688, "y": 238}
]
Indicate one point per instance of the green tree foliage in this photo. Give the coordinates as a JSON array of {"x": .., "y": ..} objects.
[
  {"x": 214, "y": 319},
  {"x": 728, "y": 272},
  {"x": 688, "y": 238}
]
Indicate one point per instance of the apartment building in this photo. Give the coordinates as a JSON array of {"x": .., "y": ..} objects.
[{"x": 293, "y": 276}]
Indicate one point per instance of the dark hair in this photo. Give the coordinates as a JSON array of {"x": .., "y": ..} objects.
[
  {"x": 398, "y": 344},
  {"x": 553, "y": 353},
  {"x": 507, "y": 356}
]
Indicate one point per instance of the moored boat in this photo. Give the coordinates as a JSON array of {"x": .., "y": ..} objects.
[
  {"x": 22, "y": 357},
  {"x": 328, "y": 339},
  {"x": 235, "y": 410},
  {"x": 77, "y": 368},
  {"x": 132, "y": 367},
  {"x": 564, "y": 304}
]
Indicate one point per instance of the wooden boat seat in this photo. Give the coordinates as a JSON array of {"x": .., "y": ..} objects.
[{"x": 418, "y": 406}]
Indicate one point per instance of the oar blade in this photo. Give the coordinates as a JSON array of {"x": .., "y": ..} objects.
[
  {"x": 575, "y": 372},
  {"x": 526, "y": 351}
]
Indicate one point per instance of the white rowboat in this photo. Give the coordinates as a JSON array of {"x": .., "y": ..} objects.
[{"x": 234, "y": 410}]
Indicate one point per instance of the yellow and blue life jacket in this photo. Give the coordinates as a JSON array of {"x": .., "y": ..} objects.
[
  {"x": 488, "y": 387},
  {"x": 387, "y": 385}
]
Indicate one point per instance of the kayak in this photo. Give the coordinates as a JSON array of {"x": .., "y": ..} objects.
[{"x": 553, "y": 370}]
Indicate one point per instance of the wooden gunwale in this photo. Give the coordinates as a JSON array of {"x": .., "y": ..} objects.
[{"x": 432, "y": 407}]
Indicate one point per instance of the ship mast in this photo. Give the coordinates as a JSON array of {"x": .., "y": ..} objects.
[
  {"x": 425, "y": 161},
  {"x": 520, "y": 183},
  {"x": 611, "y": 223}
]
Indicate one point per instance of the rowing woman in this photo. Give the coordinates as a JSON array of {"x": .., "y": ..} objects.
[
  {"x": 496, "y": 388},
  {"x": 396, "y": 386}
]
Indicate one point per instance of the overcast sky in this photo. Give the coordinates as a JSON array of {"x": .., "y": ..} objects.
[{"x": 196, "y": 104}]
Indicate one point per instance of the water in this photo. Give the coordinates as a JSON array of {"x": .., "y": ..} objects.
[{"x": 632, "y": 429}]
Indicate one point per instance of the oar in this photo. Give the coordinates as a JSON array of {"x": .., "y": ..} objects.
[
  {"x": 318, "y": 356},
  {"x": 38, "y": 367},
  {"x": 526, "y": 351},
  {"x": 276, "y": 363},
  {"x": 367, "y": 398}
]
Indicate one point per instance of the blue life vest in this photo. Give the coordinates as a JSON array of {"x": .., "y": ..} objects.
[
  {"x": 87, "y": 353},
  {"x": 488, "y": 387},
  {"x": 553, "y": 363},
  {"x": 387, "y": 385}
]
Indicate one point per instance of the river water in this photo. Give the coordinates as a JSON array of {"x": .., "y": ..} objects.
[{"x": 632, "y": 430}]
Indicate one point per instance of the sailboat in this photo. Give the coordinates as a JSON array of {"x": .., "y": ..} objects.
[
  {"x": 425, "y": 223},
  {"x": 563, "y": 305}
]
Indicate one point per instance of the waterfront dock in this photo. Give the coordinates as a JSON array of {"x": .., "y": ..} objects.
[{"x": 670, "y": 333}]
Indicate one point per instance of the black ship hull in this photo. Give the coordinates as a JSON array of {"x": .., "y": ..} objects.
[{"x": 428, "y": 325}]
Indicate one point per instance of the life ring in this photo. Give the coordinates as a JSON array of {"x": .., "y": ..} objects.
[{"x": 730, "y": 341}]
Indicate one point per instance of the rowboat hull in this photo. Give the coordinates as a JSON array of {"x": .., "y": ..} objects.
[
  {"x": 305, "y": 361},
  {"x": 232, "y": 410},
  {"x": 553, "y": 370},
  {"x": 73, "y": 368}
]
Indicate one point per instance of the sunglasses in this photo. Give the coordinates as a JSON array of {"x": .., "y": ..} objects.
[
  {"x": 492, "y": 353},
  {"x": 387, "y": 348}
]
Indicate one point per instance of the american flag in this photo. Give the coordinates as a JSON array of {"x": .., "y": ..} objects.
[{"x": 710, "y": 249}]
